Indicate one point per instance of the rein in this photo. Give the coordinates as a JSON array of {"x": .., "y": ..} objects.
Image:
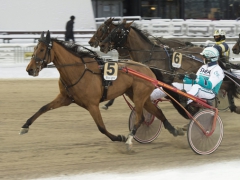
[
  {"x": 75, "y": 64},
  {"x": 85, "y": 70}
]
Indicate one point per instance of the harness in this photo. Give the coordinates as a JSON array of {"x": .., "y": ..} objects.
[
  {"x": 41, "y": 63},
  {"x": 105, "y": 83}
]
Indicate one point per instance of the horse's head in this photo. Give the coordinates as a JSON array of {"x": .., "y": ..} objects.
[
  {"x": 102, "y": 32},
  {"x": 117, "y": 38},
  {"x": 41, "y": 55},
  {"x": 236, "y": 47}
]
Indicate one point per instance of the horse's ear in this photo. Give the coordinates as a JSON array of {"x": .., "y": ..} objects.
[
  {"x": 42, "y": 35},
  {"x": 48, "y": 37},
  {"x": 109, "y": 20},
  {"x": 124, "y": 21},
  {"x": 129, "y": 24}
]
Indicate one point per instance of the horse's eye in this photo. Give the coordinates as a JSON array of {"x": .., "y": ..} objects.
[{"x": 41, "y": 50}]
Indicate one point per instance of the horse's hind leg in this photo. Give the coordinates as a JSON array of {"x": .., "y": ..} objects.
[
  {"x": 59, "y": 101},
  {"x": 151, "y": 108},
  {"x": 96, "y": 115}
]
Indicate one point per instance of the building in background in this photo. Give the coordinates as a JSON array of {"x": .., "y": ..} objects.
[
  {"x": 168, "y": 9},
  {"x": 29, "y": 15}
]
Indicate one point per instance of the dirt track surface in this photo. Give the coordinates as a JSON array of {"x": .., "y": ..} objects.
[{"x": 67, "y": 141}]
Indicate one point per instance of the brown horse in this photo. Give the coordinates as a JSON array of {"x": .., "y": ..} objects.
[
  {"x": 81, "y": 82},
  {"x": 105, "y": 29},
  {"x": 102, "y": 32},
  {"x": 142, "y": 49},
  {"x": 236, "y": 47}
]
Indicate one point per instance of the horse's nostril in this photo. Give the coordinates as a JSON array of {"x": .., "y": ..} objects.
[{"x": 30, "y": 72}]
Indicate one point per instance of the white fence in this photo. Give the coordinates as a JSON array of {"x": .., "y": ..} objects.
[
  {"x": 180, "y": 27},
  {"x": 21, "y": 53}
]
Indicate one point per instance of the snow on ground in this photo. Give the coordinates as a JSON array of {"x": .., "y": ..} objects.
[
  {"x": 220, "y": 171},
  {"x": 215, "y": 171}
]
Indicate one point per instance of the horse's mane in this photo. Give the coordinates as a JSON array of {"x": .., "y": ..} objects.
[
  {"x": 144, "y": 35},
  {"x": 76, "y": 49}
]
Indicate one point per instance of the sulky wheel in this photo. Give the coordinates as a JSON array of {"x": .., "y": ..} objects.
[
  {"x": 222, "y": 100},
  {"x": 197, "y": 140},
  {"x": 149, "y": 129}
]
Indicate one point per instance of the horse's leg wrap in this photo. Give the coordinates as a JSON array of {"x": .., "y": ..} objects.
[
  {"x": 129, "y": 142},
  {"x": 122, "y": 138},
  {"x": 129, "y": 139}
]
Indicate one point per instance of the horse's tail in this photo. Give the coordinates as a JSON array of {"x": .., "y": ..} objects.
[
  {"x": 175, "y": 95},
  {"x": 235, "y": 83},
  {"x": 159, "y": 75},
  {"x": 234, "y": 80}
]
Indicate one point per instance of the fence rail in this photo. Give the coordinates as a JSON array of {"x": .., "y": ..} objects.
[
  {"x": 180, "y": 27},
  {"x": 195, "y": 31},
  {"x": 8, "y": 35},
  {"x": 156, "y": 27},
  {"x": 20, "y": 53}
]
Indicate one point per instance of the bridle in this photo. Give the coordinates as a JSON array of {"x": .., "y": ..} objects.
[
  {"x": 118, "y": 39},
  {"x": 105, "y": 30},
  {"x": 41, "y": 63}
]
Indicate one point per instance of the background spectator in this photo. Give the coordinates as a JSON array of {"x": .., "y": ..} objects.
[{"x": 69, "y": 29}]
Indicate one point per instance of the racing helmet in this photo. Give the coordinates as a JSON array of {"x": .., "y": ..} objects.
[
  {"x": 210, "y": 54},
  {"x": 221, "y": 33}
]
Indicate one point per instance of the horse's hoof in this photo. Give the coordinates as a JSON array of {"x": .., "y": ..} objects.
[
  {"x": 237, "y": 110},
  {"x": 129, "y": 147},
  {"x": 174, "y": 132},
  {"x": 24, "y": 131},
  {"x": 177, "y": 132},
  {"x": 233, "y": 108},
  {"x": 185, "y": 127},
  {"x": 180, "y": 131},
  {"x": 129, "y": 140},
  {"x": 105, "y": 107},
  {"x": 129, "y": 143}
]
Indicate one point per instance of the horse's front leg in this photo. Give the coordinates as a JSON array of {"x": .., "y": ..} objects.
[
  {"x": 139, "y": 117},
  {"x": 152, "y": 109},
  {"x": 96, "y": 115},
  {"x": 59, "y": 101}
]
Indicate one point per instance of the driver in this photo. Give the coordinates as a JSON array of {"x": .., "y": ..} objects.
[
  {"x": 209, "y": 77},
  {"x": 221, "y": 45}
]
